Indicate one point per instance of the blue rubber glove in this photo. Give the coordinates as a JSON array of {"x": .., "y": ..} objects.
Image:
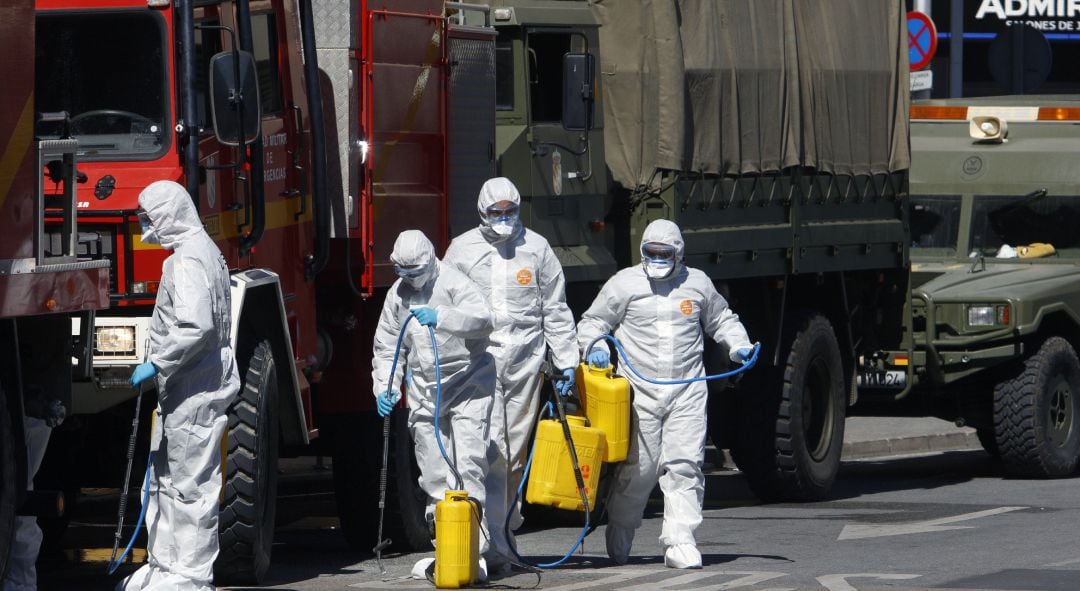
[
  {"x": 564, "y": 383},
  {"x": 744, "y": 354},
  {"x": 143, "y": 372},
  {"x": 385, "y": 402},
  {"x": 599, "y": 358},
  {"x": 425, "y": 316}
]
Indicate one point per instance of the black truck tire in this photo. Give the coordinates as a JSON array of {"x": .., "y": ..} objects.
[
  {"x": 1036, "y": 412},
  {"x": 790, "y": 443},
  {"x": 405, "y": 500},
  {"x": 248, "y": 511},
  {"x": 8, "y": 492},
  {"x": 988, "y": 441}
]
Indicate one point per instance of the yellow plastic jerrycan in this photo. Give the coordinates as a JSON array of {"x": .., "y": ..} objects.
[
  {"x": 457, "y": 541},
  {"x": 605, "y": 399},
  {"x": 551, "y": 478}
]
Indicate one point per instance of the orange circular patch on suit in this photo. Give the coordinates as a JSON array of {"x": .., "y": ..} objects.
[
  {"x": 524, "y": 277},
  {"x": 686, "y": 307}
]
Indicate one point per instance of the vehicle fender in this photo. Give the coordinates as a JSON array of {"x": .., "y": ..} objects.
[{"x": 257, "y": 300}]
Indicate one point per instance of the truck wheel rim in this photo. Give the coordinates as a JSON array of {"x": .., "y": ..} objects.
[
  {"x": 1060, "y": 413},
  {"x": 817, "y": 410}
]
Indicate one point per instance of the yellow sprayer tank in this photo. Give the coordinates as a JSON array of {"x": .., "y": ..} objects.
[
  {"x": 605, "y": 399},
  {"x": 457, "y": 541},
  {"x": 551, "y": 478}
]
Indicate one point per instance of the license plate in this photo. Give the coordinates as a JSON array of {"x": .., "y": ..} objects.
[{"x": 883, "y": 379}]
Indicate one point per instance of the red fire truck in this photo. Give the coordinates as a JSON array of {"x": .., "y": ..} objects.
[
  {"x": 309, "y": 134},
  {"x": 44, "y": 284}
]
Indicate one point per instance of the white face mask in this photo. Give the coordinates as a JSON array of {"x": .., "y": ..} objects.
[
  {"x": 658, "y": 269},
  {"x": 503, "y": 228}
]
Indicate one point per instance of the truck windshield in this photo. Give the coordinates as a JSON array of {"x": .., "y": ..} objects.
[
  {"x": 107, "y": 70},
  {"x": 1023, "y": 220},
  {"x": 935, "y": 222}
]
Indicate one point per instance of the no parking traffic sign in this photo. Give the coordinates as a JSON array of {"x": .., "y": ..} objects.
[{"x": 922, "y": 39}]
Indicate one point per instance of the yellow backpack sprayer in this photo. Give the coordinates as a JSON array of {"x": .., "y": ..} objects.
[{"x": 567, "y": 471}]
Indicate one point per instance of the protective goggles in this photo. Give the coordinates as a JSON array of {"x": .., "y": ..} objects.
[
  {"x": 144, "y": 218},
  {"x": 658, "y": 252},
  {"x": 409, "y": 271},
  {"x": 507, "y": 214}
]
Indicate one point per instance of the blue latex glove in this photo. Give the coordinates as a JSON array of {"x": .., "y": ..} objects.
[
  {"x": 385, "y": 402},
  {"x": 143, "y": 372},
  {"x": 599, "y": 358},
  {"x": 564, "y": 383},
  {"x": 744, "y": 354},
  {"x": 425, "y": 316}
]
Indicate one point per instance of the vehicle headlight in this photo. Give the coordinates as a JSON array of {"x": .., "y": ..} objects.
[
  {"x": 988, "y": 315},
  {"x": 114, "y": 340}
]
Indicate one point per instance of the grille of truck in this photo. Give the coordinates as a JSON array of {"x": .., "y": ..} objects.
[{"x": 95, "y": 243}]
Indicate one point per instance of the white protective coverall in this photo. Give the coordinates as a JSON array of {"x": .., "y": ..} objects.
[
  {"x": 524, "y": 284},
  {"x": 468, "y": 371},
  {"x": 196, "y": 381},
  {"x": 660, "y": 325},
  {"x": 22, "y": 574}
]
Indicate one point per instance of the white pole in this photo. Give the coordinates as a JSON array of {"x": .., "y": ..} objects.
[{"x": 922, "y": 6}]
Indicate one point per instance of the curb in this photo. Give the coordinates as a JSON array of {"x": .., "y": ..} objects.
[{"x": 897, "y": 446}]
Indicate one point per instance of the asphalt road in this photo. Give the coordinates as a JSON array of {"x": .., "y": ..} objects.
[{"x": 943, "y": 521}]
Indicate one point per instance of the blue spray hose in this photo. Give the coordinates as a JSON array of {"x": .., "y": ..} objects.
[
  {"x": 438, "y": 390},
  {"x": 114, "y": 565},
  {"x": 624, "y": 358},
  {"x": 528, "y": 465}
]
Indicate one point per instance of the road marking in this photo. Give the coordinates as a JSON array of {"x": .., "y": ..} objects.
[
  {"x": 1064, "y": 563},
  {"x": 745, "y": 579},
  {"x": 858, "y": 531},
  {"x": 616, "y": 577},
  {"x": 621, "y": 576},
  {"x": 839, "y": 582}
]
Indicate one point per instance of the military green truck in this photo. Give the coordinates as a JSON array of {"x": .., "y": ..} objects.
[
  {"x": 775, "y": 133},
  {"x": 995, "y": 273}
]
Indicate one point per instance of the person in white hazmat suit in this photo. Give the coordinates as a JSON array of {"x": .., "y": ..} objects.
[
  {"x": 660, "y": 312},
  {"x": 439, "y": 296},
  {"x": 523, "y": 281},
  {"x": 22, "y": 574},
  {"x": 192, "y": 363}
]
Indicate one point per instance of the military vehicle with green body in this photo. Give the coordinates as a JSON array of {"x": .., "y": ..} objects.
[
  {"x": 995, "y": 300},
  {"x": 775, "y": 134}
]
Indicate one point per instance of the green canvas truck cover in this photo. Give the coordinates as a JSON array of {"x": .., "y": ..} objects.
[{"x": 739, "y": 87}]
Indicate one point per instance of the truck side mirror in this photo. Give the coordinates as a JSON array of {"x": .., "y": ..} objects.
[
  {"x": 578, "y": 98},
  {"x": 234, "y": 97}
]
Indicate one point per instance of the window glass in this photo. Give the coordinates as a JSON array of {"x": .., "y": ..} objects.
[
  {"x": 935, "y": 221},
  {"x": 207, "y": 44},
  {"x": 504, "y": 75},
  {"x": 545, "y": 58},
  {"x": 264, "y": 38},
  {"x": 108, "y": 72},
  {"x": 1022, "y": 220}
]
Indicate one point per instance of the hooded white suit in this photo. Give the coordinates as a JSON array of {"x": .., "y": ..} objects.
[
  {"x": 467, "y": 370},
  {"x": 661, "y": 324},
  {"x": 196, "y": 381},
  {"x": 524, "y": 283}
]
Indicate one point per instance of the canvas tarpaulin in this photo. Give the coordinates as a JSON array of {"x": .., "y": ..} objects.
[{"x": 743, "y": 87}]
